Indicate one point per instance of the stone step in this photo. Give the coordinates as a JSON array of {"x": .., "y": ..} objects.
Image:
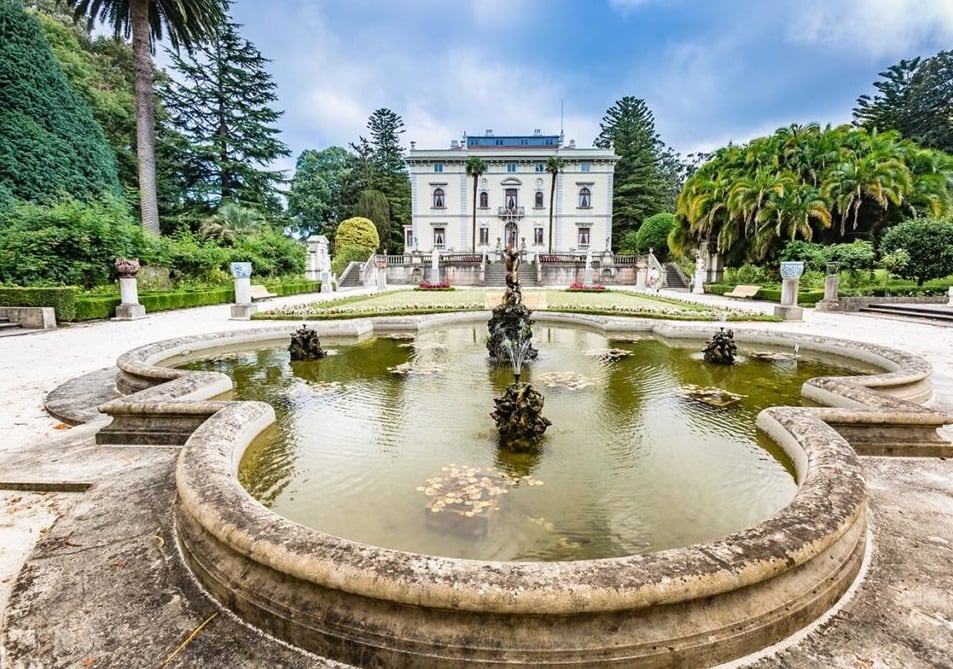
[
  {"x": 936, "y": 312},
  {"x": 5, "y": 324}
]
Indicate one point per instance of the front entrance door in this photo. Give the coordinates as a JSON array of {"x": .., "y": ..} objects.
[{"x": 511, "y": 236}]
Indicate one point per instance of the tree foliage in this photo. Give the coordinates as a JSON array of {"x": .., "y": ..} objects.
[
  {"x": 315, "y": 201},
  {"x": 642, "y": 185},
  {"x": 915, "y": 98},
  {"x": 378, "y": 164},
  {"x": 653, "y": 234},
  {"x": 50, "y": 145},
  {"x": 70, "y": 242},
  {"x": 221, "y": 99},
  {"x": 373, "y": 205},
  {"x": 357, "y": 231},
  {"x": 554, "y": 165},
  {"x": 804, "y": 182},
  {"x": 475, "y": 168},
  {"x": 928, "y": 244},
  {"x": 146, "y": 22}
]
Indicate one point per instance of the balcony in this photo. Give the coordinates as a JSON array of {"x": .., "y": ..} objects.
[{"x": 512, "y": 213}]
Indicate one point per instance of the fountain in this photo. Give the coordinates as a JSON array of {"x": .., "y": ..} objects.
[
  {"x": 519, "y": 412},
  {"x": 511, "y": 320},
  {"x": 694, "y": 605},
  {"x": 305, "y": 345},
  {"x": 721, "y": 348}
]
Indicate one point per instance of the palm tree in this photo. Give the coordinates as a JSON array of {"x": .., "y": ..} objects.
[
  {"x": 475, "y": 168},
  {"x": 554, "y": 166},
  {"x": 185, "y": 23}
]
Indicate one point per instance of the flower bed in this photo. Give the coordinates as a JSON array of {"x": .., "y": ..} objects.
[
  {"x": 586, "y": 288},
  {"x": 426, "y": 285}
]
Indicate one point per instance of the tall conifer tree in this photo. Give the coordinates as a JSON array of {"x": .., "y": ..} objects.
[
  {"x": 639, "y": 185},
  {"x": 223, "y": 106},
  {"x": 49, "y": 142}
]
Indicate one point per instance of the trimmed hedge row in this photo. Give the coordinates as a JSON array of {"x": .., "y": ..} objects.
[
  {"x": 62, "y": 299},
  {"x": 92, "y": 308},
  {"x": 805, "y": 298}
]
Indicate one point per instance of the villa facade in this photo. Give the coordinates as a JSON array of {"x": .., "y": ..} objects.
[{"x": 512, "y": 198}]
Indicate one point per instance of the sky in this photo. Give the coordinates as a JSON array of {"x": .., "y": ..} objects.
[{"x": 711, "y": 71}]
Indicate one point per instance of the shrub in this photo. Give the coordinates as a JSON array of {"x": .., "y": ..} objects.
[
  {"x": 62, "y": 299},
  {"x": 68, "y": 243},
  {"x": 814, "y": 256},
  {"x": 929, "y": 245},
  {"x": 653, "y": 234},
  {"x": 853, "y": 258},
  {"x": 357, "y": 231},
  {"x": 344, "y": 255},
  {"x": 270, "y": 253},
  {"x": 749, "y": 274}
]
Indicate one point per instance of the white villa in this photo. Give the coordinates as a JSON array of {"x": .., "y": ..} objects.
[{"x": 513, "y": 196}]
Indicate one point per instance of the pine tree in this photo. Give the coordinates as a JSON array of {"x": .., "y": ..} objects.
[
  {"x": 222, "y": 106},
  {"x": 379, "y": 165},
  {"x": 50, "y": 145},
  {"x": 915, "y": 98},
  {"x": 640, "y": 186}
]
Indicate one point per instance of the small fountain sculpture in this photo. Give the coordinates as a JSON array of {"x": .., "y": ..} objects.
[
  {"x": 511, "y": 320},
  {"x": 519, "y": 412},
  {"x": 721, "y": 348},
  {"x": 305, "y": 345}
]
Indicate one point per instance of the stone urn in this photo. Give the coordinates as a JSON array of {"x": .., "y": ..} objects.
[
  {"x": 126, "y": 267},
  {"x": 792, "y": 269}
]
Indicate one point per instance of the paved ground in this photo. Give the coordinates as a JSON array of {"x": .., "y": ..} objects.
[{"x": 87, "y": 582}]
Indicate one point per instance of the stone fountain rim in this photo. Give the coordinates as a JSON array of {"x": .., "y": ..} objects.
[{"x": 830, "y": 478}]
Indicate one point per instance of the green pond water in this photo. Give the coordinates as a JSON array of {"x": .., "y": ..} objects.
[{"x": 629, "y": 465}]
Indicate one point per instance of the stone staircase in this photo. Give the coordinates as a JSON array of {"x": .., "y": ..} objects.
[
  {"x": 673, "y": 278},
  {"x": 351, "y": 276},
  {"x": 494, "y": 275},
  {"x": 934, "y": 312}
]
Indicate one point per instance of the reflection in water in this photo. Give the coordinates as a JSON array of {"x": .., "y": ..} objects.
[{"x": 628, "y": 465}]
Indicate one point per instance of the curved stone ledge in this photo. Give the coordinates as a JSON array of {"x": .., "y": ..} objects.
[{"x": 693, "y": 606}]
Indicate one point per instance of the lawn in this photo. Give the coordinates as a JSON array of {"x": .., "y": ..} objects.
[{"x": 409, "y": 302}]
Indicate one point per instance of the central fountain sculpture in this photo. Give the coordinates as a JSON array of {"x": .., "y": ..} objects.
[
  {"x": 519, "y": 412},
  {"x": 511, "y": 320}
]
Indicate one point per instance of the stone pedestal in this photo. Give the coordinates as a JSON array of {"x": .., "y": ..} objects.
[
  {"x": 325, "y": 277},
  {"x": 698, "y": 283},
  {"x": 243, "y": 307},
  {"x": 949, "y": 294},
  {"x": 129, "y": 309},
  {"x": 641, "y": 272},
  {"x": 790, "y": 279},
  {"x": 831, "y": 282},
  {"x": 789, "y": 312}
]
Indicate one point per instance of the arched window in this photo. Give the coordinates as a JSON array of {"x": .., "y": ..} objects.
[
  {"x": 438, "y": 199},
  {"x": 484, "y": 200},
  {"x": 538, "y": 202},
  {"x": 585, "y": 198}
]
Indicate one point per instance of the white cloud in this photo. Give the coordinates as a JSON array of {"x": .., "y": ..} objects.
[{"x": 875, "y": 28}]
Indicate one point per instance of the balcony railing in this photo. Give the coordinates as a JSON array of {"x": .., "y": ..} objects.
[{"x": 512, "y": 212}]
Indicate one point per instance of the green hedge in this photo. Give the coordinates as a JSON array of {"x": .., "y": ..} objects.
[
  {"x": 89, "y": 308},
  {"x": 62, "y": 299},
  {"x": 772, "y": 293}
]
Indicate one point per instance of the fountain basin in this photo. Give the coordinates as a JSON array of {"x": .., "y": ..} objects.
[{"x": 691, "y": 606}]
